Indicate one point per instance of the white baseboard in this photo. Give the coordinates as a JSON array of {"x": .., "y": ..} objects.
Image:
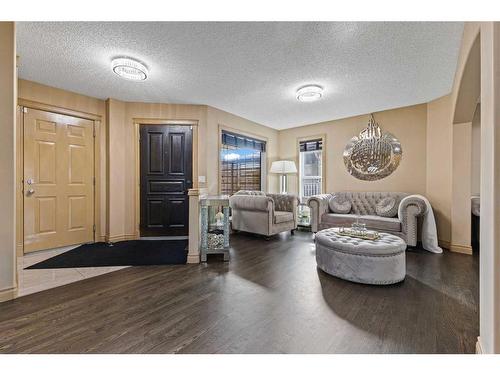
[
  {"x": 444, "y": 244},
  {"x": 8, "y": 294},
  {"x": 122, "y": 237},
  {"x": 461, "y": 249}
]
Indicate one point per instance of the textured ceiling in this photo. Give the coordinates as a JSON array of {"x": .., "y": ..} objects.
[{"x": 250, "y": 69}]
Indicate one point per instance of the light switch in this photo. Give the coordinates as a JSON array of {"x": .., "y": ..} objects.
[{"x": 202, "y": 179}]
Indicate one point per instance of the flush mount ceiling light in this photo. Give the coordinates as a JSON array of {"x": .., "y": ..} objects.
[
  {"x": 309, "y": 93},
  {"x": 129, "y": 69}
]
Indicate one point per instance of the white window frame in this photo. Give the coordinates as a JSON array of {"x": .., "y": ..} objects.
[{"x": 323, "y": 164}]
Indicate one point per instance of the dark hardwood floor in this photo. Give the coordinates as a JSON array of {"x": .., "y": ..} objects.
[{"x": 270, "y": 298}]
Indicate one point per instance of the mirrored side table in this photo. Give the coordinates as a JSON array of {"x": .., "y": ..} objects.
[
  {"x": 303, "y": 217},
  {"x": 214, "y": 211}
]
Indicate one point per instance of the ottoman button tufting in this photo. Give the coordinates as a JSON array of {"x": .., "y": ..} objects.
[{"x": 381, "y": 261}]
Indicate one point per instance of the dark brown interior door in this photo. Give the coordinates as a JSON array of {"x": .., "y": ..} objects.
[{"x": 166, "y": 175}]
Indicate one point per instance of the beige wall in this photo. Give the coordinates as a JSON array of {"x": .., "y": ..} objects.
[
  {"x": 116, "y": 170},
  {"x": 476, "y": 152},
  {"x": 425, "y": 133},
  {"x": 461, "y": 188},
  {"x": 7, "y": 159},
  {"x": 122, "y": 173},
  {"x": 444, "y": 188},
  {"x": 60, "y": 98},
  {"x": 217, "y": 120},
  {"x": 439, "y": 164},
  {"x": 118, "y": 156},
  {"x": 445, "y": 117},
  {"x": 134, "y": 111},
  {"x": 408, "y": 124}
]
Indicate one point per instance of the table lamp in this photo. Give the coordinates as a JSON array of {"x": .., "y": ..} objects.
[{"x": 283, "y": 167}]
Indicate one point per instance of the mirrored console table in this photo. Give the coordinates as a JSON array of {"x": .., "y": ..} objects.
[
  {"x": 214, "y": 211},
  {"x": 303, "y": 217}
]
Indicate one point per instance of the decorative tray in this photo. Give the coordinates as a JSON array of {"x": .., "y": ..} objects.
[{"x": 365, "y": 235}]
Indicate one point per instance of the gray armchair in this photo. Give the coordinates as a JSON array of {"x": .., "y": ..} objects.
[{"x": 264, "y": 214}]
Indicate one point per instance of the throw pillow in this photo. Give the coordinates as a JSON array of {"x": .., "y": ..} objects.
[
  {"x": 387, "y": 207},
  {"x": 339, "y": 205}
]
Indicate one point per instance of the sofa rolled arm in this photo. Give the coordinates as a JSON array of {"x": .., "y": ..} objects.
[
  {"x": 319, "y": 206},
  {"x": 251, "y": 202},
  {"x": 410, "y": 209}
]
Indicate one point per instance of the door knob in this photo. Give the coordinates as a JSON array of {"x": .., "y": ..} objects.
[
  {"x": 29, "y": 181},
  {"x": 31, "y": 191}
]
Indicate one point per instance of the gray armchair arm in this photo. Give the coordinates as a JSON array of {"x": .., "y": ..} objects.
[
  {"x": 410, "y": 208},
  {"x": 319, "y": 206},
  {"x": 251, "y": 203}
]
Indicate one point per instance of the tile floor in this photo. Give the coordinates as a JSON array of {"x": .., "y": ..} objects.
[{"x": 32, "y": 281}]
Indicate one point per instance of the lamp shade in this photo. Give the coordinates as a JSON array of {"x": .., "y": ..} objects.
[{"x": 283, "y": 167}]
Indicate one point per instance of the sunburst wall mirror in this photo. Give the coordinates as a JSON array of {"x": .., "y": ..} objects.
[{"x": 372, "y": 155}]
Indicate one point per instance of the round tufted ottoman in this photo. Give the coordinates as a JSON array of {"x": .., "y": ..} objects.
[{"x": 381, "y": 261}]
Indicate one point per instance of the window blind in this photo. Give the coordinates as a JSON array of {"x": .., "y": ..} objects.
[
  {"x": 241, "y": 141},
  {"x": 311, "y": 145},
  {"x": 240, "y": 163}
]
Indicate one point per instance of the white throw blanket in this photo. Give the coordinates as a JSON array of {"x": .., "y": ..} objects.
[{"x": 429, "y": 231}]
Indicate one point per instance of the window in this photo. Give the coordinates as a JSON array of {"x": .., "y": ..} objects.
[
  {"x": 241, "y": 160},
  {"x": 311, "y": 168}
]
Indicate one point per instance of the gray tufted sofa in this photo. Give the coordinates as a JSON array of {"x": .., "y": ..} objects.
[
  {"x": 261, "y": 213},
  {"x": 404, "y": 225}
]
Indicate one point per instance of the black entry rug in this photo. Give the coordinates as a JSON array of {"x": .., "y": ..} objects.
[{"x": 124, "y": 253}]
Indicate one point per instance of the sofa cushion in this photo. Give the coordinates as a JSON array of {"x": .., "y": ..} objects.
[
  {"x": 339, "y": 205},
  {"x": 282, "y": 216},
  {"x": 391, "y": 224},
  {"x": 387, "y": 207}
]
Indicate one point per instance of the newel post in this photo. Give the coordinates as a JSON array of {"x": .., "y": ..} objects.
[{"x": 194, "y": 226}]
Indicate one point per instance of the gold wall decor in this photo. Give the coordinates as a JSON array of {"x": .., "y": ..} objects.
[{"x": 372, "y": 155}]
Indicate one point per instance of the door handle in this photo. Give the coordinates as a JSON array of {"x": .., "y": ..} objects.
[{"x": 29, "y": 182}]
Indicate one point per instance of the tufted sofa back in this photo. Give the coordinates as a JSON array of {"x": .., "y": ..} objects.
[
  {"x": 284, "y": 202},
  {"x": 363, "y": 203},
  {"x": 249, "y": 192}
]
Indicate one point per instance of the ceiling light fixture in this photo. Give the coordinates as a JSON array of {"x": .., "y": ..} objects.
[
  {"x": 129, "y": 69},
  {"x": 309, "y": 93}
]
